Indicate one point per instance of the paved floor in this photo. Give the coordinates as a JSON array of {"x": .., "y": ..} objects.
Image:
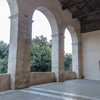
[{"x": 69, "y": 90}]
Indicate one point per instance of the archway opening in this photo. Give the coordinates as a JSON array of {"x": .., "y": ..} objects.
[
  {"x": 75, "y": 52},
  {"x": 41, "y": 25},
  {"x": 67, "y": 50},
  {"x": 75, "y": 43},
  {"x": 41, "y": 43},
  {"x": 4, "y": 35}
]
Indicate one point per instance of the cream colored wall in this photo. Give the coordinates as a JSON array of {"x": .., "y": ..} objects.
[{"x": 91, "y": 55}]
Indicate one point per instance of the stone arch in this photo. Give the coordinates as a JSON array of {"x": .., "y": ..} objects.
[
  {"x": 51, "y": 19},
  {"x": 55, "y": 39},
  {"x": 75, "y": 52},
  {"x": 13, "y": 6},
  {"x": 73, "y": 34},
  {"x": 14, "y": 28}
]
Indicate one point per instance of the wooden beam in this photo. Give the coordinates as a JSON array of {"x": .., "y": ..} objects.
[
  {"x": 84, "y": 7},
  {"x": 64, "y": 5},
  {"x": 71, "y": 6},
  {"x": 90, "y": 13},
  {"x": 74, "y": 4},
  {"x": 92, "y": 26}
]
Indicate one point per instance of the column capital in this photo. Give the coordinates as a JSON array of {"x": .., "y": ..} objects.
[
  {"x": 26, "y": 17},
  {"x": 17, "y": 15},
  {"x": 55, "y": 35},
  {"x": 14, "y": 16},
  {"x": 76, "y": 43}
]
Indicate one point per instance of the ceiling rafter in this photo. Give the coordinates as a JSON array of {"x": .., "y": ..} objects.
[
  {"x": 64, "y": 5},
  {"x": 86, "y": 11},
  {"x": 84, "y": 7},
  {"x": 67, "y": 7},
  {"x": 89, "y": 13}
]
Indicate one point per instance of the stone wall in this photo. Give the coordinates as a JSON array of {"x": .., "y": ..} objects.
[
  {"x": 41, "y": 78},
  {"x": 36, "y": 78},
  {"x": 70, "y": 75},
  {"x": 4, "y": 82}
]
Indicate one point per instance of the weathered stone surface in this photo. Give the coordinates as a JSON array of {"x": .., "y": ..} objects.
[
  {"x": 4, "y": 82},
  {"x": 70, "y": 75},
  {"x": 20, "y": 40},
  {"x": 41, "y": 78}
]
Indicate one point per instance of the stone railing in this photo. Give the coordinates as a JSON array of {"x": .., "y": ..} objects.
[
  {"x": 36, "y": 78},
  {"x": 41, "y": 78},
  {"x": 70, "y": 75},
  {"x": 4, "y": 82}
]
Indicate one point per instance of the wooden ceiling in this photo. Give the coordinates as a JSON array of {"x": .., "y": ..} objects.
[{"x": 86, "y": 11}]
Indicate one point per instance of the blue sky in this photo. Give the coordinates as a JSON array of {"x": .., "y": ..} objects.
[{"x": 40, "y": 26}]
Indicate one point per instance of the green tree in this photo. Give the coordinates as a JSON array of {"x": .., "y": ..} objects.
[
  {"x": 68, "y": 62},
  {"x": 41, "y": 55},
  {"x": 3, "y": 65},
  {"x": 3, "y": 57},
  {"x": 40, "y": 40},
  {"x": 3, "y": 49}
]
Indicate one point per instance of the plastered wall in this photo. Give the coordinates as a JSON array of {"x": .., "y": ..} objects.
[{"x": 91, "y": 55}]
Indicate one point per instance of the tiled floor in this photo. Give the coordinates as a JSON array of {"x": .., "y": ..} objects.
[{"x": 69, "y": 90}]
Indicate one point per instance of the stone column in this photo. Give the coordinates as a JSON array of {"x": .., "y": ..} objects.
[
  {"x": 58, "y": 56},
  {"x": 76, "y": 67},
  {"x": 75, "y": 59},
  {"x": 80, "y": 60},
  {"x": 20, "y": 51}
]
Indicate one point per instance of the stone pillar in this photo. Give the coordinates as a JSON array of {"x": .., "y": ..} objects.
[
  {"x": 80, "y": 60},
  {"x": 20, "y": 51},
  {"x": 58, "y": 56},
  {"x": 76, "y": 67}
]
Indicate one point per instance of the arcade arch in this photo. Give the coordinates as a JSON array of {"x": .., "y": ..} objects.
[
  {"x": 19, "y": 55},
  {"x": 67, "y": 50},
  {"x": 4, "y": 34},
  {"x": 75, "y": 52},
  {"x": 54, "y": 29},
  {"x": 41, "y": 29}
]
